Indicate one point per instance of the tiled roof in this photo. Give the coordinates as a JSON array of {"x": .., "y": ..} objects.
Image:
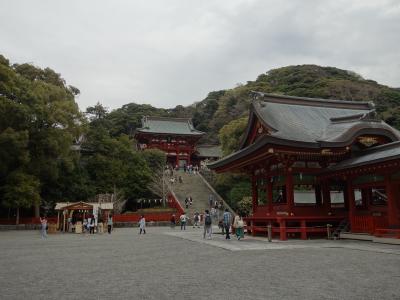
[
  {"x": 308, "y": 123},
  {"x": 209, "y": 151},
  {"x": 316, "y": 120},
  {"x": 163, "y": 125},
  {"x": 370, "y": 156}
]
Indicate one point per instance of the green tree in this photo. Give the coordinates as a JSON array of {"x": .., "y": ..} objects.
[
  {"x": 230, "y": 135},
  {"x": 21, "y": 191}
]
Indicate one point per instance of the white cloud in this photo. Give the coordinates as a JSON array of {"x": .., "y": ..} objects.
[{"x": 174, "y": 52}]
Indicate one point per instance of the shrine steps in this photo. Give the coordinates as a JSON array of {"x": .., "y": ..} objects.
[{"x": 196, "y": 187}]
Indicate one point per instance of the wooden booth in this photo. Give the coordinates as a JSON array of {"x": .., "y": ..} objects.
[
  {"x": 318, "y": 162},
  {"x": 71, "y": 215}
]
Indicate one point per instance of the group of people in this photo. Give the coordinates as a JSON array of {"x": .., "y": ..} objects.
[
  {"x": 190, "y": 169},
  {"x": 188, "y": 201},
  {"x": 237, "y": 223}
]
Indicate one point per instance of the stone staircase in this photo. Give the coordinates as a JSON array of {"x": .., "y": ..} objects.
[{"x": 194, "y": 186}]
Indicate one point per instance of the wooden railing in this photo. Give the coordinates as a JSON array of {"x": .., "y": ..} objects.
[{"x": 367, "y": 224}]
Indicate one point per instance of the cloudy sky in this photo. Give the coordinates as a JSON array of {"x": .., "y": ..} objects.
[{"x": 174, "y": 52}]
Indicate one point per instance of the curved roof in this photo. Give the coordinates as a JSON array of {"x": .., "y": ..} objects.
[
  {"x": 378, "y": 154},
  {"x": 317, "y": 120},
  {"x": 163, "y": 125},
  {"x": 308, "y": 123}
]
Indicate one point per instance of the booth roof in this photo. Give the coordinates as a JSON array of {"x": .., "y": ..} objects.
[{"x": 104, "y": 205}]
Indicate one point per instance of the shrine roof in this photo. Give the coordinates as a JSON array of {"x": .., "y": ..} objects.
[
  {"x": 209, "y": 151},
  {"x": 163, "y": 125},
  {"x": 317, "y": 120},
  {"x": 299, "y": 122},
  {"x": 370, "y": 156},
  {"x": 77, "y": 205}
]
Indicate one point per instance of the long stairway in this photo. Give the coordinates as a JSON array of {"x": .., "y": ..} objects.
[{"x": 194, "y": 186}]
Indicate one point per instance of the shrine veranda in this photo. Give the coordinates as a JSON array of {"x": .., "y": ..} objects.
[{"x": 170, "y": 264}]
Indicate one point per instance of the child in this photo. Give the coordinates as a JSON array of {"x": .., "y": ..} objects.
[{"x": 142, "y": 225}]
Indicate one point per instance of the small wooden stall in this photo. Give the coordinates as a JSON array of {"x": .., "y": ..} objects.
[{"x": 71, "y": 215}]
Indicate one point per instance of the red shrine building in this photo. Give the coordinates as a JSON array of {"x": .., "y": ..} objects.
[
  {"x": 177, "y": 137},
  {"x": 314, "y": 162}
]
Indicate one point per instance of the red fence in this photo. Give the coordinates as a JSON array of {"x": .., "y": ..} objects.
[
  {"x": 133, "y": 217},
  {"x": 32, "y": 220},
  {"x": 174, "y": 203},
  {"x": 367, "y": 224}
]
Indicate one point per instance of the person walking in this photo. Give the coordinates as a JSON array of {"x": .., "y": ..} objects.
[
  {"x": 196, "y": 220},
  {"x": 240, "y": 228},
  {"x": 109, "y": 224},
  {"x": 142, "y": 225},
  {"x": 91, "y": 226},
  {"x": 43, "y": 228},
  {"x": 173, "y": 221},
  {"x": 227, "y": 221},
  {"x": 183, "y": 220},
  {"x": 235, "y": 224},
  {"x": 207, "y": 225},
  {"x": 186, "y": 202},
  {"x": 210, "y": 200}
]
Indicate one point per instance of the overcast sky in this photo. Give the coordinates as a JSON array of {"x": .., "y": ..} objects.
[{"x": 174, "y": 52}]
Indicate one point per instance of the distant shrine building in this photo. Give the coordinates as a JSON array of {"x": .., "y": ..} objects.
[
  {"x": 178, "y": 138},
  {"x": 315, "y": 162}
]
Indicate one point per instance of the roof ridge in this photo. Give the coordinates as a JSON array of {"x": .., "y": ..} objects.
[
  {"x": 168, "y": 118},
  {"x": 377, "y": 148},
  {"x": 316, "y": 102}
]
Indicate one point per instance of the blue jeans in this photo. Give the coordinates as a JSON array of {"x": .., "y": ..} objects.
[
  {"x": 43, "y": 231},
  {"x": 183, "y": 225}
]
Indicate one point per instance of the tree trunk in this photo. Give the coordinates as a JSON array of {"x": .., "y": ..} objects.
[
  {"x": 17, "y": 219},
  {"x": 37, "y": 210}
]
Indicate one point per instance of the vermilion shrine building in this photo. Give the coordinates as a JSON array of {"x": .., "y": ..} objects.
[
  {"x": 177, "y": 137},
  {"x": 315, "y": 162}
]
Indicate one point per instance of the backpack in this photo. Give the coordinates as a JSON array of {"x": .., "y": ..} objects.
[{"x": 207, "y": 220}]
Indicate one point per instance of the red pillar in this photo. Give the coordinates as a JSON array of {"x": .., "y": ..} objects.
[
  {"x": 254, "y": 193},
  {"x": 392, "y": 209},
  {"x": 270, "y": 194},
  {"x": 282, "y": 230},
  {"x": 326, "y": 196},
  {"x": 351, "y": 202},
  {"x": 289, "y": 190},
  {"x": 303, "y": 230},
  {"x": 177, "y": 156}
]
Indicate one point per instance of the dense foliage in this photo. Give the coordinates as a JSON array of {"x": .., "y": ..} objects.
[
  {"x": 39, "y": 164},
  {"x": 40, "y": 121}
]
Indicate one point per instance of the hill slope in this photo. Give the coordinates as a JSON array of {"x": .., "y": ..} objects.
[{"x": 221, "y": 107}]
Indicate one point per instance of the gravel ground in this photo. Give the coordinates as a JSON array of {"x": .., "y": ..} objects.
[{"x": 167, "y": 264}]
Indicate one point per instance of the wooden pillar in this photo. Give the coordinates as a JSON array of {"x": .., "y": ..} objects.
[
  {"x": 282, "y": 230},
  {"x": 318, "y": 196},
  {"x": 392, "y": 209},
  {"x": 303, "y": 229},
  {"x": 326, "y": 196},
  {"x": 254, "y": 193},
  {"x": 289, "y": 190},
  {"x": 351, "y": 201},
  {"x": 270, "y": 195}
]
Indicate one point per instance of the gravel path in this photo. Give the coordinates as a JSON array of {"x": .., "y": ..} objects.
[{"x": 170, "y": 264}]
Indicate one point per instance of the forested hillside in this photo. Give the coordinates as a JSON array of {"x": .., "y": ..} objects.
[
  {"x": 221, "y": 107},
  {"x": 40, "y": 121}
]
